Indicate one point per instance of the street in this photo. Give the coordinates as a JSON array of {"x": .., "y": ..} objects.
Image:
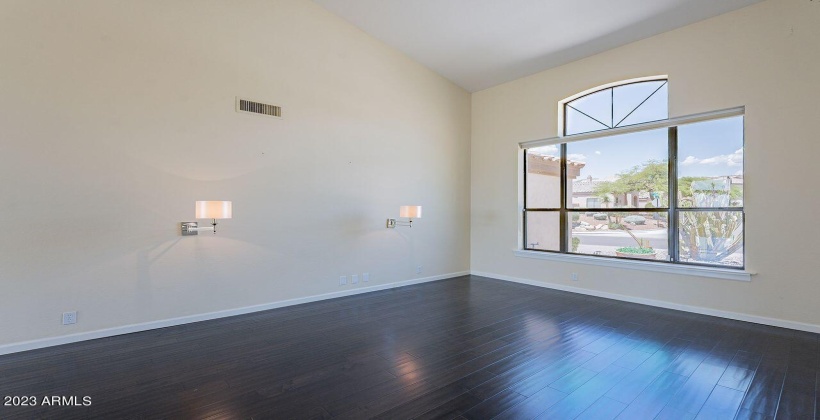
[{"x": 657, "y": 238}]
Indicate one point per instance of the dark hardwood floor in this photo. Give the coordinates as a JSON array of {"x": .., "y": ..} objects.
[{"x": 468, "y": 347}]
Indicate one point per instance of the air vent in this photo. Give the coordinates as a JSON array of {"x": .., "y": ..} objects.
[{"x": 253, "y": 107}]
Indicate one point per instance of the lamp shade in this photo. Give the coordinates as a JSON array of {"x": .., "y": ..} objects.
[
  {"x": 412, "y": 212},
  {"x": 213, "y": 210}
]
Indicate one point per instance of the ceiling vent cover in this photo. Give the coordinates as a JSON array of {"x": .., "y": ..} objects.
[{"x": 259, "y": 108}]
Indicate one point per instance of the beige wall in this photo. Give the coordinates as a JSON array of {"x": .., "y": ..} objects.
[
  {"x": 115, "y": 116},
  {"x": 765, "y": 57}
]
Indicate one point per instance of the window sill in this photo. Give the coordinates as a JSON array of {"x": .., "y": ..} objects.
[{"x": 660, "y": 267}]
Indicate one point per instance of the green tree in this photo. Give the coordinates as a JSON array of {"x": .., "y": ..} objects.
[{"x": 651, "y": 176}]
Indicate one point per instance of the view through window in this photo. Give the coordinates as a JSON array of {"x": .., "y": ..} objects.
[{"x": 672, "y": 194}]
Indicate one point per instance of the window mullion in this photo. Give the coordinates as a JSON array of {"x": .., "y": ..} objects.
[
  {"x": 562, "y": 219},
  {"x": 672, "y": 224},
  {"x": 524, "y": 212}
]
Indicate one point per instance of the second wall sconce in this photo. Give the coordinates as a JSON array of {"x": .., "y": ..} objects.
[
  {"x": 409, "y": 212},
  {"x": 208, "y": 210}
]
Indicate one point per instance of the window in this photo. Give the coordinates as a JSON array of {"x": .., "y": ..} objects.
[
  {"x": 664, "y": 189},
  {"x": 618, "y": 106}
]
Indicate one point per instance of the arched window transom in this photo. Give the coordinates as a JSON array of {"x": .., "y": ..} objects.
[{"x": 617, "y": 106}]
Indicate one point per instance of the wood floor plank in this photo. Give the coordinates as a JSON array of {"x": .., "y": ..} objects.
[
  {"x": 586, "y": 395},
  {"x": 493, "y": 406},
  {"x": 723, "y": 403},
  {"x": 603, "y": 409},
  {"x": 746, "y": 414},
  {"x": 534, "y": 405},
  {"x": 764, "y": 391},
  {"x": 737, "y": 378},
  {"x": 694, "y": 393},
  {"x": 654, "y": 398},
  {"x": 642, "y": 376},
  {"x": 452, "y": 408},
  {"x": 573, "y": 380}
]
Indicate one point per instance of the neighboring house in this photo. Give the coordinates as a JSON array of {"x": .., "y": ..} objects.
[
  {"x": 544, "y": 180},
  {"x": 584, "y": 193},
  {"x": 542, "y": 187},
  {"x": 584, "y": 196}
]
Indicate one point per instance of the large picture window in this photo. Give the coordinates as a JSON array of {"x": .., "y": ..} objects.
[{"x": 662, "y": 190}]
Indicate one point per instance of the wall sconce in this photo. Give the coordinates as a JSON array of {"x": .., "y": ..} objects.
[
  {"x": 410, "y": 212},
  {"x": 208, "y": 210}
]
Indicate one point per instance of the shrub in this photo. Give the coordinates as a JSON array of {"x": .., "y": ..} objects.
[
  {"x": 576, "y": 217},
  {"x": 633, "y": 250},
  {"x": 599, "y": 216},
  {"x": 635, "y": 220},
  {"x": 575, "y": 243},
  {"x": 615, "y": 226}
]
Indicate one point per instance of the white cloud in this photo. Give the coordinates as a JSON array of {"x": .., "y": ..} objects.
[
  {"x": 577, "y": 157},
  {"x": 690, "y": 160},
  {"x": 736, "y": 158},
  {"x": 740, "y": 172},
  {"x": 597, "y": 152},
  {"x": 732, "y": 159},
  {"x": 545, "y": 151}
]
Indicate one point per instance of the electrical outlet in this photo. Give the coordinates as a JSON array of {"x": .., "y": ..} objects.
[
  {"x": 69, "y": 317},
  {"x": 342, "y": 280},
  {"x": 573, "y": 276},
  {"x": 365, "y": 277},
  {"x": 354, "y": 279},
  {"x": 418, "y": 269}
]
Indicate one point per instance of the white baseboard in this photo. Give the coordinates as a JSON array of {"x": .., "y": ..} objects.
[
  {"x": 801, "y": 326},
  {"x": 127, "y": 329}
]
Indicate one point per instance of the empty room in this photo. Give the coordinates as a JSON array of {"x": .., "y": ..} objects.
[{"x": 426, "y": 209}]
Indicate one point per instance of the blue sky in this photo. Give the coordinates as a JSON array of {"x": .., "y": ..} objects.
[
  {"x": 634, "y": 103},
  {"x": 710, "y": 148}
]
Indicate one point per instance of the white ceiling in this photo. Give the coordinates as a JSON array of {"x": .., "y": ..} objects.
[{"x": 481, "y": 43}]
